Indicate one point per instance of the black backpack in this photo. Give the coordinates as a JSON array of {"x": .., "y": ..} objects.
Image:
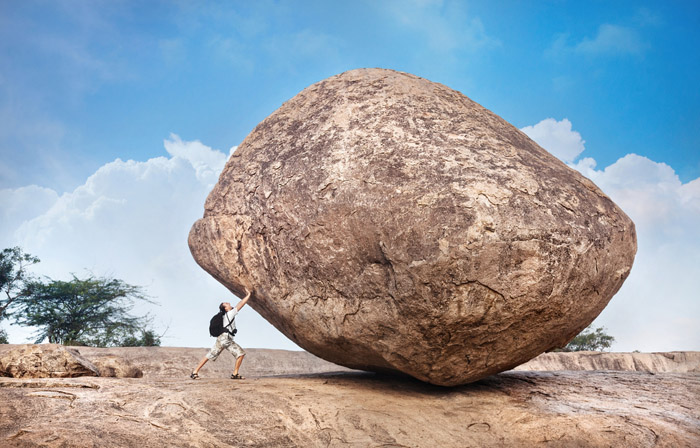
[{"x": 216, "y": 326}]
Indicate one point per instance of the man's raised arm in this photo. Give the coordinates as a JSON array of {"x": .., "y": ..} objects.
[{"x": 243, "y": 301}]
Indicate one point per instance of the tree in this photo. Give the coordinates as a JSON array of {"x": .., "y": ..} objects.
[
  {"x": 13, "y": 279},
  {"x": 91, "y": 311},
  {"x": 590, "y": 340},
  {"x": 13, "y": 276},
  {"x": 148, "y": 338}
]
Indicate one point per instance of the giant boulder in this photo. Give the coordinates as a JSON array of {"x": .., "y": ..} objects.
[{"x": 389, "y": 223}]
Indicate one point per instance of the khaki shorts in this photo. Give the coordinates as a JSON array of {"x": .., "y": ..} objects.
[{"x": 225, "y": 341}]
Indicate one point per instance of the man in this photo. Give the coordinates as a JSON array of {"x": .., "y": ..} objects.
[{"x": 225, "y": 339}]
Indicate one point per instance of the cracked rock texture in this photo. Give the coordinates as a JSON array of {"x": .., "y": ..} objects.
[{"x": 389, "y": 223}]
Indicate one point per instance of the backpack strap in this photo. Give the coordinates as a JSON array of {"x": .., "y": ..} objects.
[{"x": 228, "y": 326}]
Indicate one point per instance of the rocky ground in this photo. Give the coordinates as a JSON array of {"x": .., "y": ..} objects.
[{"x": 295, "y": 399}]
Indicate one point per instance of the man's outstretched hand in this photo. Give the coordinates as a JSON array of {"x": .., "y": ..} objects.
[{"x": 243, "y": 301}]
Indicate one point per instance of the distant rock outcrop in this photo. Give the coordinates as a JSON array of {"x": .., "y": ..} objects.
[
  {"x": 665, "y": 362},
  {"x": 58, "y": 361},
  {"x": 45, "y": 361},
  {"x": 390, "y": 223}
]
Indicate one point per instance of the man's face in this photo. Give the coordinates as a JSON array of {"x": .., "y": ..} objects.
[{"x": 227, "y": 307}]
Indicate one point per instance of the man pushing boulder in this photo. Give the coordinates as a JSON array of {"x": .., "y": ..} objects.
[{"x": 223, "y": 327}]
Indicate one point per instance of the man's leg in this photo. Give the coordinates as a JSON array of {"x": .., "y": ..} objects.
[
  {"x": 213, "y": 354},
  {"x": 239, "y": 360},
  {"x": 201, "y": 364},
  {"x": 238, "y": 353}
]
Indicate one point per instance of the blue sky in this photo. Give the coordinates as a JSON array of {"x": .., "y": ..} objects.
[
  {"x": 93, "y": 93},
  {"x": 83, "y": 83}
]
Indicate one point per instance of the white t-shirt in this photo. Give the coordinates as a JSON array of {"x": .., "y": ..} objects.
[{"x": 230, "y": 320}]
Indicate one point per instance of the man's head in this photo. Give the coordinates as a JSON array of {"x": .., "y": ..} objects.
[{"x": 225, "y": 307}]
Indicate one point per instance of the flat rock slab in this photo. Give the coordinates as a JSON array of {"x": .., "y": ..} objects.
[{"x": 596, "y": 409}]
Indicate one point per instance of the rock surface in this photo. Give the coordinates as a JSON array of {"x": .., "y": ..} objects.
[
  {"x": 164, "y": 408},
  {"x": 58, "y": 361},
  {"x": 116, "y": 367},
  {"x": 669, "y": 362},
  {"x": 389, "y": 223},
  {"x": 45, "y": 361},
  {"x": 175, "y": 362}
]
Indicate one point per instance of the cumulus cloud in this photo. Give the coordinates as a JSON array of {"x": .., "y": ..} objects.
[
  {"x": 22, "y": 204},
  {"x": 206, "y": 162},
  {"x": 130, "y": 220},
  {"x": 657, "y": 309},
  {"x": 557, "y": 137}
]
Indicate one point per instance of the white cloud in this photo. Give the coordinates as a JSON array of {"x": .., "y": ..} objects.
[
  {"x": 22, "y": 204},
  {"x": 609, "y": 40},
  {"x": 651, "y": 192},
  {"x": 207, "y": 162},
  {"x": 131, "y": 220},
  {"x": 612, "y": 39},
  {"x": 557, "y": 138},
  {"x": 658, "y": 307},
  {"x": 690, "y": 194}
]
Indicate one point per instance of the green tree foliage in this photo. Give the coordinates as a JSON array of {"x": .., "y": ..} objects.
[
  {"x": 147, "y": 338},
  {"x": 590, "y": 340},
  {"x": 13, "y": 277},
  {"x": 91, "y": 311}
]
